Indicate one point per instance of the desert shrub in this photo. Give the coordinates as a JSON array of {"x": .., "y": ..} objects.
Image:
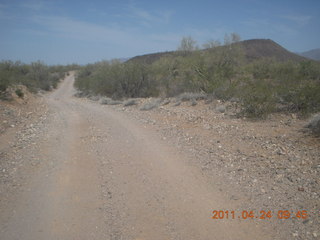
[
  {"x": 165, "y": 72},
  {"x": 130, "y": 102},
  {"x": 260, "y": 87},
  {"x": 314, "y": 124},
  {"x": 114, "y": 102},
  {"x": 34, "y": 76},
  {"x": 297, "y": 86},
  {"x": 8, "y": 75},
  {"x": 257, "y": 99},
  {"x": 117, "y": 80},
  {"x": 191, "y": 96},
  {"x": 177, "y": 103},
  {"x": 304, "y": 99},
  {"x": 154, "y": 103},
  {"x": 293, "y": 86},
  {"x": 19, "y": 93},
  {"x": 261, "y": 69},
  {"x": 165, "y": 102},
  {"x": 109, "y": 101},
  {"x": 4, "y": 84},
  {"x": 80, "y": 94},
  {"x": 94, "y": 98},
  {"x": 226, "y": 91},
  {"x": 54, "y": 79},
  {"x": 134, "y": 81},
  {"x": 193, "y": 102},
  {"x": 105, "y": 100},
  {"x": 55, "y": 85},
  {"x": 309, "y": 70}
]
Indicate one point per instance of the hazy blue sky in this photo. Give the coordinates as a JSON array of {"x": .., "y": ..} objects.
[{"x": 62, "y": 31}]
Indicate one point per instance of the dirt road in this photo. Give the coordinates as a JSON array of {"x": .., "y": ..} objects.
[{"x": 104, "y": 176}]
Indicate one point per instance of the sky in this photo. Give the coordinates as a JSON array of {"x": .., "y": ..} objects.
[{"x": 66, "y": 32}]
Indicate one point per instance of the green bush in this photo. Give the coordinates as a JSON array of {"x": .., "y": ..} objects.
[
  {"x": 305, "y": 99},
  {"x": 34, "y": 76},
  {"x": 19, "y": 93},
  {"x": 257, "y": 99},
  {"x": 117, "y": 80}
]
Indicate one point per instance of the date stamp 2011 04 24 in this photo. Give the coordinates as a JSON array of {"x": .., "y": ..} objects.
[{"x": 263, "y": 214}]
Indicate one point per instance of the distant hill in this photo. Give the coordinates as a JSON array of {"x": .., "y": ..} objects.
[
  {"x": 312, "y": 54},
  {"x": 266, "y": 48},
  {"x": 254, "y": 49},
  {"x": 152, "y": 57},
  {"x": 122, "y": 59}
]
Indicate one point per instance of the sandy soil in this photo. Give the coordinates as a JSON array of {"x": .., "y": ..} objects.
[{"x": 80, "y": 170}]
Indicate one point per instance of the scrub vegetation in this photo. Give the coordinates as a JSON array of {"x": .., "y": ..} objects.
[
  {"x": 260, "y": 75},
  {"x": 35, "y": 76}
]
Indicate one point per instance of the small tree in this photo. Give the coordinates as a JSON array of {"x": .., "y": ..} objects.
[
  {"x": 235, "y": 37},
  {"x": 188, "y": 44},
  {"x": 232, "y": 38},
  {"x": 211, "y": 44}
]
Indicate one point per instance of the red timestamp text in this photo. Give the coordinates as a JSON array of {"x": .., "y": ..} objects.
[{"x": 263, "y": 214}]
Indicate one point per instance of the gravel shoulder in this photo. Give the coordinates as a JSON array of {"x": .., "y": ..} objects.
[{"x": 22, "y": 126}]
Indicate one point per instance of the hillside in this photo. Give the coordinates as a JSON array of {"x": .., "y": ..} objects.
[
  {"x": 152, "y": 57},
  {"x": 254, "y": 49},
  {"x": 265, "y": 48},
  {"x": 312, "y": 54}
]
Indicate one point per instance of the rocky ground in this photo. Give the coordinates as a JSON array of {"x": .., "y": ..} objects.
[
  {"x": 274, "y": 164},
  {"x": 23, "y": 122}
]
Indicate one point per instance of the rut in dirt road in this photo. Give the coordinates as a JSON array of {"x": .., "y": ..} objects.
[{"x": 106, "y": 177}]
